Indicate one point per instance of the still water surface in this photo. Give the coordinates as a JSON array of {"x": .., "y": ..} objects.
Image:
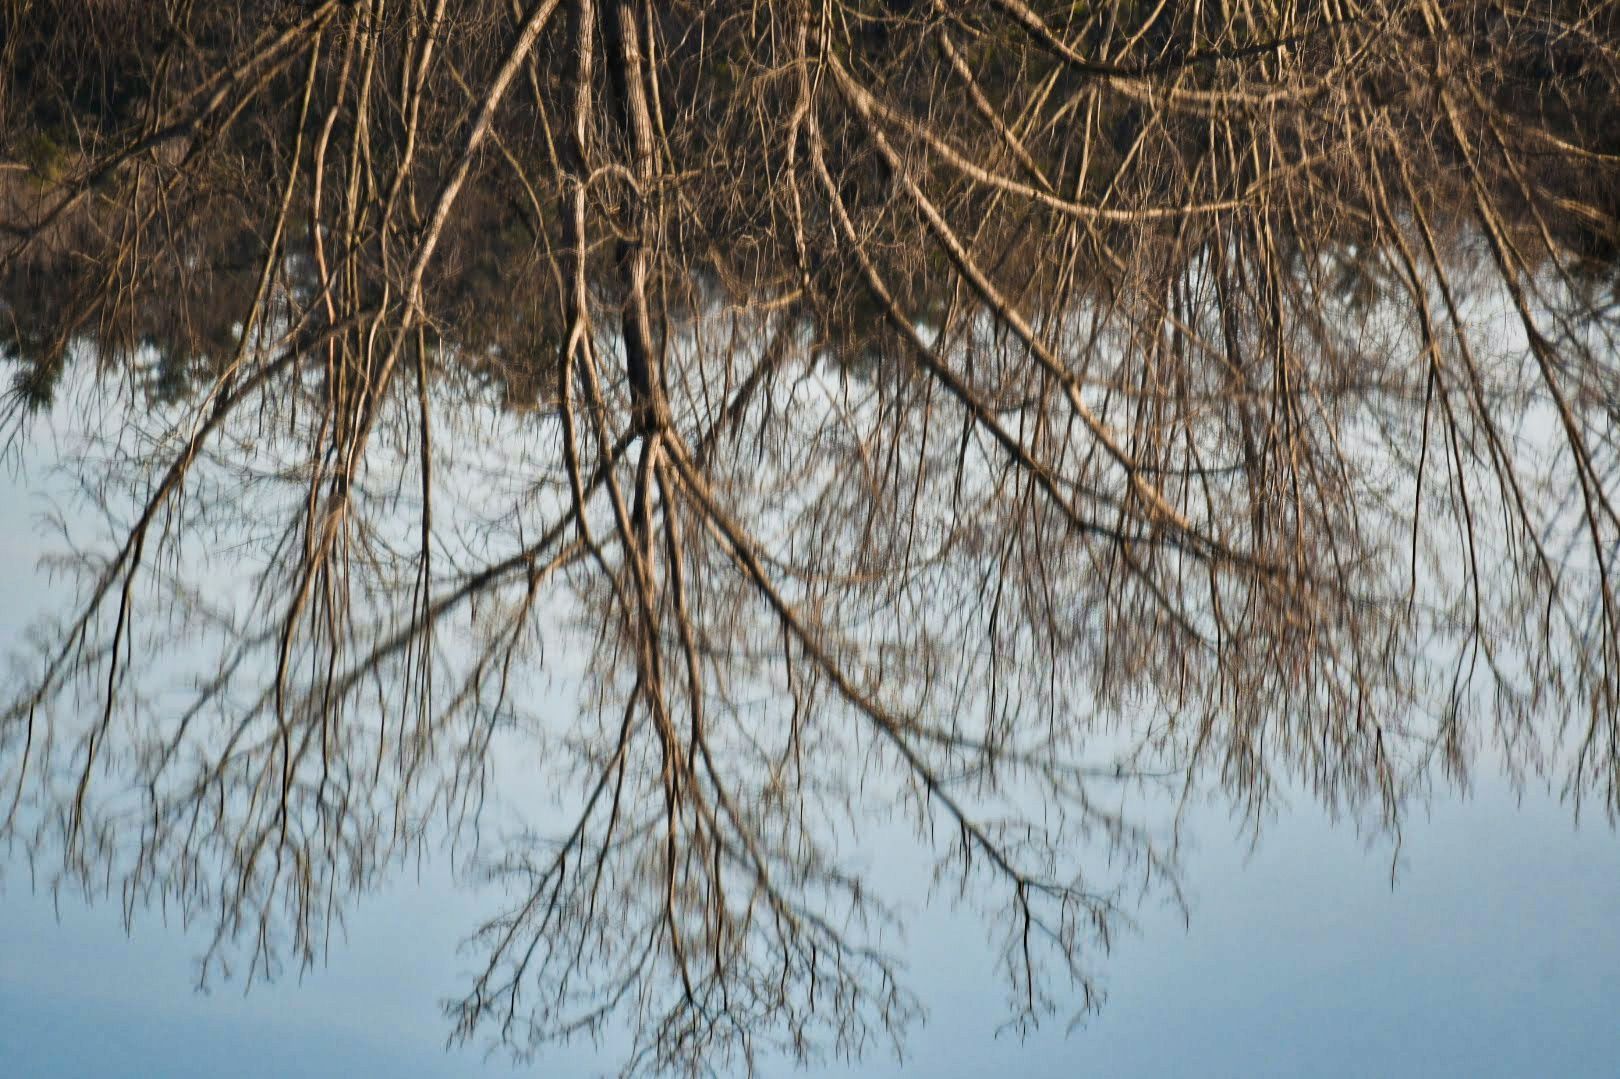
[{"x": 1495, "y": 950}]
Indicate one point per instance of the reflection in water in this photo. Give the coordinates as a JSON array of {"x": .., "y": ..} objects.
[{"x": 880, "y": 420}]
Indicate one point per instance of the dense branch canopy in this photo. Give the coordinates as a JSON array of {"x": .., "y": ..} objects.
[{"x": 952, "y": 410}]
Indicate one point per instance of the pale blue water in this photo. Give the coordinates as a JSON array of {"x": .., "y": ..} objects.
[{"x": 1495, "y": 953}]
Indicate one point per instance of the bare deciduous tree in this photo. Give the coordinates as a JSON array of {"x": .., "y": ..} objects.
[{"x": 961, "y": 409}]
